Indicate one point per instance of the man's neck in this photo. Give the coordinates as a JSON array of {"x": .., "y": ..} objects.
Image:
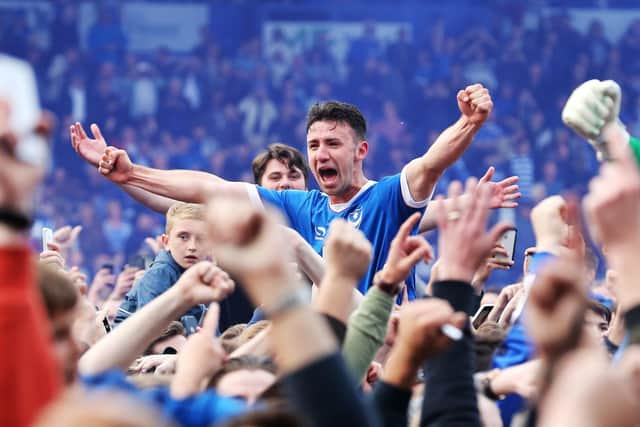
[{"x": 347, "y": 195}]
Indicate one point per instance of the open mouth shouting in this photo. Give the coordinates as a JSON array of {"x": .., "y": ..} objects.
[{"x": 328, "y": 176}]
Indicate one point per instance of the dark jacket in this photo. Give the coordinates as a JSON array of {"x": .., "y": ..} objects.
[
  {"x": 450, "y": 397},
  {"x": 162, "y": 274}
]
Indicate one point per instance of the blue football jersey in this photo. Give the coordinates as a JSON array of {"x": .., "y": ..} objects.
[{"x": 377, "y": 210}]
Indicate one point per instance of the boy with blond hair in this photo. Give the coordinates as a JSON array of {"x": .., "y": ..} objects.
[{"x": 185, "y": 242}]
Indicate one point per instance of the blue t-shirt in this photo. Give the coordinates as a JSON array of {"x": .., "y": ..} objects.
[{"x": 377, "y": 210}]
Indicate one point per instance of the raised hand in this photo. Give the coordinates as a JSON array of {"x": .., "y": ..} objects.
[
  {"x": 419, "y": 337},
  {"x": 591, "y": 105},
  {"x": 124, "y": 282},
  {"x": 475, "y": 103},
  {"x": 504, "y": 193},
  {"x": 508, "y": 298},
  {"x": 115, "y": 165},
  {"x": 347, "y": 251},
  {"x": 52, "y": 256},
  {"x": 79, "y": 279},
  {"x": 200, "y": 358},
  {"x": 90, "y": 149},
  {"x": 420, "y": 326},
  {"x": 464, "y": 241},
  {"x": 248, "y": 243},
  {"x": 556, "y": 306},
  {"x": 613, "y": 203},
  {"x": 550, "y": 221},
  {"x": 66, "y": 236},
  {"x": 593, "y": 109},
  {"x": 611, "y": 208},
  {"x": 347, "y": 254},
  {"x": 103, "y": 279},
  {"x": 404, "y": 253},
  {"x": 204, "y": 283},
  {"x": 155, "y": 243},
  {"x": 497, "y": 260}
]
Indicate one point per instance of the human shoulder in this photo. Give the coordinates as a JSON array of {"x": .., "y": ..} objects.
[{"x": 164, "y": 269}]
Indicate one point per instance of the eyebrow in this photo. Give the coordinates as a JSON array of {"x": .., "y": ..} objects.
[{"x": 332, "y": 139}]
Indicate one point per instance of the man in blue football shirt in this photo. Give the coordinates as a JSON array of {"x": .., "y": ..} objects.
[{"x": 336, "y": 149}]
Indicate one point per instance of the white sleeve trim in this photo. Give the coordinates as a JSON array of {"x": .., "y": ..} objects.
[
  {"x": 254, "y": 196},
  {"x": 406, "y": 193}
]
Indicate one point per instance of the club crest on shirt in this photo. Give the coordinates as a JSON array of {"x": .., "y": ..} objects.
[
  {"x": 355, "y": 217},
  {"x": 321, "y": 232}
]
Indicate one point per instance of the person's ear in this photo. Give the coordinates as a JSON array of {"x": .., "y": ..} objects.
[
  {"x": 362, "y": 149},
  {"x": 165, "y": 239}
]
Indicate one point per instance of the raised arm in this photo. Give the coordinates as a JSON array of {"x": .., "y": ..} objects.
[
  {"x": 92, "y": 150},
  {"x": 347, "y": 253},
  {"x": 248, "y": 245},
  {"x": 201, "y": 284},
  {"x": 183, "y": 185},
  {"x": 504, "y": 194},
  {"x": 422, "y": 173}
]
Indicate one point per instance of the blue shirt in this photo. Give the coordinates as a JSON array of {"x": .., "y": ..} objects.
[
  {"x": 201, "y": 410},
  {"x": 378, "y": 210}
]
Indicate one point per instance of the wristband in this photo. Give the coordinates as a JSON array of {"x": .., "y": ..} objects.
[
  {"x": 486, "y": 385},
  {"x": 392, "y": 289},
  {"x": 15, "y": 220},
  {"x": 287, "y": 303}
]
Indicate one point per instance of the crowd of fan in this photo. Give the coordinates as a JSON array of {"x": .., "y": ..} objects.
[
  {"x": 344, "y": 338},
  {"x": 216, "y": 107}
]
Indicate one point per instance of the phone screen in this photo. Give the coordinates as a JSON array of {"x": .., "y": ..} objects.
[
  {"x": 481, "y": 315},
  {"x": 105, "y": 323},
  {"x": 508, "y": 241},
  {"x": 47, "y": 237}
]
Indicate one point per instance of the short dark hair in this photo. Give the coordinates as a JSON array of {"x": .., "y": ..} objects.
[
  {"x": 336, "y": 111},
  {"x": 284, "y": 153},
  {"x": 599, "y": 309},
  {"x": 175, "y": 328}
]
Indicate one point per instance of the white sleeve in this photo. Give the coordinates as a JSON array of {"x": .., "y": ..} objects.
[
  {"x": 406, "y": 193},
  {"x": 254, "y": 196}
]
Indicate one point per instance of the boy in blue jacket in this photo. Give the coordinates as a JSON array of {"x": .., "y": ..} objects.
[{"x": 186, "y": 243}]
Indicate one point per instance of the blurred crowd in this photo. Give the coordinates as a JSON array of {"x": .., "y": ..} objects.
[{"x": 216, "y": 107}]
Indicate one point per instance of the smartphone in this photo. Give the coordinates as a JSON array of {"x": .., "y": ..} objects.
[
  {"x": 508, "y": 241},
  {"x": 190, "y": 324},
  {"x": 481, "y": 315},
  {"x": 47, "y": 237},
  {"x": 108, "y": 267},
  {"x": 105, "y": 323}
]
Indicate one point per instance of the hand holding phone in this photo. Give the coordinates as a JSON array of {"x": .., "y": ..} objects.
[
  {"x": 47, "y": 237},
  {"x": 481, "y": 315},
  {"x": 508, "y": 241}
]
